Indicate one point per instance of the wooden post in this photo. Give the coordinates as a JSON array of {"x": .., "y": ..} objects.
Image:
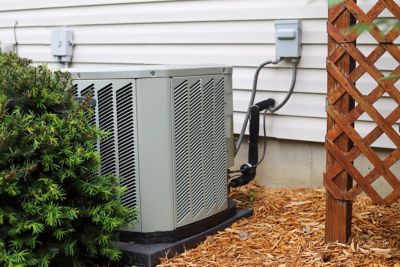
[{"x": 339, "y": 212}]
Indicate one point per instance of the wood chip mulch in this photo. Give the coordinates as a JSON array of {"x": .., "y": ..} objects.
[{"x": 287, "y": 229}]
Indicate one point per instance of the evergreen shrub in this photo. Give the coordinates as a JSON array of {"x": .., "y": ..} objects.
[{"x": 54, "y": 208}]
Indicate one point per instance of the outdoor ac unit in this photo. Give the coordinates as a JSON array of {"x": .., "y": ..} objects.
[{"x": 170, "y": 142}]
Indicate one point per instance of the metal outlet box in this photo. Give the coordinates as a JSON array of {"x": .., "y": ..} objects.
[
  {"x": 288, "y": 34},
  {"x": 62, "y": 42}
]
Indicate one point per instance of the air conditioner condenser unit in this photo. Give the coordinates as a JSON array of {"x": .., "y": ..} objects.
[{"x": 170, "y": 142}]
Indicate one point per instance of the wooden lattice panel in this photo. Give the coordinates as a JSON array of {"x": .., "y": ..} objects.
[{"x": 342, "y": 88}]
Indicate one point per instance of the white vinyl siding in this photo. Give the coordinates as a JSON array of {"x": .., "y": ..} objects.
[{"x": 239, "y": 33}]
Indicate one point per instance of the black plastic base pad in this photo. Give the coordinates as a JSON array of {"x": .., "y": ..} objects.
[
  {"x": 149, "y": 254},
  {"x": 181, "y": 232}
]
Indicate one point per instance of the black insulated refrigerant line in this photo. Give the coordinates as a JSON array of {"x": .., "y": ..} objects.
[{"x": 248, "y": 171}]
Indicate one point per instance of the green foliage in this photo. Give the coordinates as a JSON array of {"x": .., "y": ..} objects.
[
  {"x": 331, "y": 3},
  {"x": 391, "y": 77},
  {"x": 53, "y": 210},
  {"x": 252, "y": 196},
  {"x": 384, "y": 25}
]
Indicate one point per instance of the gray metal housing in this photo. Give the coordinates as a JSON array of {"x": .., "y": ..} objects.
[
  {"x": 171, "y": 138},
  {"x": 288, "y": 36}
]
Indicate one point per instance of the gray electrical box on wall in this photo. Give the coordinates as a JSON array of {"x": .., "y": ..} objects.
[
  {"x": 62, "y": 42},
  {"x": 288, "y": 38}
]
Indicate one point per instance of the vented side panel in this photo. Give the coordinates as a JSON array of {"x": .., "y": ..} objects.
[
  {"x": 181, "y": 121},
  {"x": 115, "y": 113},
  {"x": 209, "y": 144},
  {"x": 83, "y": 90},
  {"x": 106, "y": 123},
  {"x": 86, "y": 90},
  {"x": 196, "y": 136},
  {"x": 220, "y": 142},
  {"x": 74, "y": 90},
  {"x": 200, "y": 147},
  {"x": 126, "y": 118}
]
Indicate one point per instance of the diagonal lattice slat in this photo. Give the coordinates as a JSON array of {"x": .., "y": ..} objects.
[{"x": 344, "y": 85}]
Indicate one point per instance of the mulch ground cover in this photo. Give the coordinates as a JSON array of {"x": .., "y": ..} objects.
[{"x": 287, "y": 229}]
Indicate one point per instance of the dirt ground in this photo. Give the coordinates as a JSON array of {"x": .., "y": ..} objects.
[{"x": 287, "y": 229}]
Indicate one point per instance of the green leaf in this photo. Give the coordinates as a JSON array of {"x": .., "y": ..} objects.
[
  {"x": 45, "y": 260},
  {"x": 103, "y": 240},
  {"x": 359, "y": 28},
  {"x": 70, "y": 247},
  {"x": 36, "y": 228},
  {"x": 20, "y": 256},
  {"x": 62, "y": 233},
  {"x": 391, "y": 77},
  {"x": 53, "y": 215},
  {"x": 13, "y": 189},
  {"x": 111, "y": 253},
  {"x": 332, "y": 3}
]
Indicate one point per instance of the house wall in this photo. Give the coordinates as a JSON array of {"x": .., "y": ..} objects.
[
  {"x": 290, "y": 163},
  {"x": 232, "y": 32}
]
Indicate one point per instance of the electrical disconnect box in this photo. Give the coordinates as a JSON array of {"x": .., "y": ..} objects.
[
  {"x": 62, "y": 42},
  {"x": 288, "y": 38}
]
